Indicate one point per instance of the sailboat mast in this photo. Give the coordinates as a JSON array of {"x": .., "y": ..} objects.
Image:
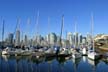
[
  {"x": 92, "y": 27},
  {"x": 18, "y": 24},
  {"x": 61, "y": 30},
  {"x": 49, "y": 31},
  {"x": 75, "y": 32},
  {"x": 37, "y": 27},
  {"x": 3, "y": 32},
  {"x": 28, "y": 25},
  {"x": 28, "y": 28},
  {"x": 37, "y": 23},
  {"x": 17, "y": 41}
]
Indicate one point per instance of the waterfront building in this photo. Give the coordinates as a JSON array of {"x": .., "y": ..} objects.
[
  {"x": 89, "y": 38},
  {"x": 84, "y": 41},
  {"x": 46, "y": 42},
  {"x": 63, "y": 41},
  {"x": 52, "y": 38},
  {"x": 22, "y": 43},
  {"x": 101, "y": 38},
  {"x": 70, "y": 38},
  {"x": 38, "y": 39},
  {"x": 25, "y": 40},
  {"x": 17, "y": 40},
  {"x": 80, "y": 39},
  {"x": 58, "y": 41},
  {"x": 75, "y": 39},
  {"x": 47, "y": 38},
  {"x": 10, "y": 39},
  {"x": 31, "y": 42}
]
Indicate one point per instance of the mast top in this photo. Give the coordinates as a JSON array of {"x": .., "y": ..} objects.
[
  {"x": 61, "y": 30},
  {"x": 18, "y": 23},
  {"x": 37, "y": 22}
]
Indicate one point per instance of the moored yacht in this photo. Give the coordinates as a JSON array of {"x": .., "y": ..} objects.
[
  {"x": 91, "y": 52},
  {"x": 50, "y": 52},
  {"x": 8, "y": 51},
  {"x": 76, "y": 51},
  {"x": 18, "y": 52},
  {"x": 76, "y": 54},
  {"x": 64, "y": 52},
  {"x": 26, "y": 52},
  {"x": 93, "y": 55}
]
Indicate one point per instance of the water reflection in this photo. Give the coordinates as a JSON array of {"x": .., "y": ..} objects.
[{"x": 29, "y": 64}]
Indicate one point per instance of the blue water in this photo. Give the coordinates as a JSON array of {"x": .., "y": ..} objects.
[{"x": 28, "y": 64}]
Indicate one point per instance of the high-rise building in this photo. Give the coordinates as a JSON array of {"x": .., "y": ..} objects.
[
  {"x": 75, "y": 39},
  {"x": 84, "y": 41},
  {"x": 47, "y": 38},
  {"x": 89, "y": 38},
  {"x": 58, "y": 41},
  {"x": 38, "y": 39},
  {"x": 17, "y": 41},
  {"x": 52, "y": 38},
  {"x": 63, "y": 41},
  {"x": 25, "y": 40},
  {"x": 80, "y": 39},
  {"x": 70, "y": 38},
  {"x": 10, "y": 38}
]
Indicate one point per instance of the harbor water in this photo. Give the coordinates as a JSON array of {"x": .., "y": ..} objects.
[{"x": 63, "y": 64}]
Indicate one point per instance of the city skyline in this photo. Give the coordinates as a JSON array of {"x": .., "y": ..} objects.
[{"x": 73, "y": 10}]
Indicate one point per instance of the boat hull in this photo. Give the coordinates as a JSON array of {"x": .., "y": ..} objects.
[{"x": 93, "y": 56}]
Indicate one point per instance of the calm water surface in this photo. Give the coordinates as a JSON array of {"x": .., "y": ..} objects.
[{"x": 28, "y": 64}]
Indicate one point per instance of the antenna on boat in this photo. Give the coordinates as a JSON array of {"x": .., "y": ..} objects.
[{"x": 61, "y": 30}]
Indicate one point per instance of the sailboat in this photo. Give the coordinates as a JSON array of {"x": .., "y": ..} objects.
[
  {"x": 3, "y": 51},
  {"x": 50, "y": 52},
  {"x": 75, "y": 53},
  {"x": 2, "y": 45},
  {"x": 27, "y": 50},
  {"x": 7, "y": 50},
  {"x": 39, "y": 52},
  {"x": 63, "y": 50},
  {"x": 91, "y": 53}
]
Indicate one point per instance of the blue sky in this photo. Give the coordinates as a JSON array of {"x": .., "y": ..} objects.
[{"x": 73, "y": 10}]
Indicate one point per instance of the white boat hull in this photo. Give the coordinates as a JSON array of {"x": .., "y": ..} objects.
[
  {"x": 4, "y": 53},
  {"x": 84, "y": 51},
  {"x": 26, "y": 53},
  {"x": 8, "y": 53},
  {"x": 93, "y": 56}
]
